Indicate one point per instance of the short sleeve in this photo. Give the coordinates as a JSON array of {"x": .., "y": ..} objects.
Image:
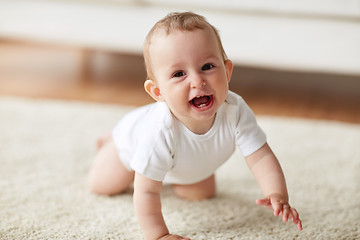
[
  {"x": 153, "y": 157},
  {"x": 249, "y": 137}
]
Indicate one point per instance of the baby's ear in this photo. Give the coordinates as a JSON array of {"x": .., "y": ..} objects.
[
  {"x": 153, "y": 90},
  {"x": 229, "y": 69}
]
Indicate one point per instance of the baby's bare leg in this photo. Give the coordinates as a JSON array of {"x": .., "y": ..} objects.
[
  {"x": 108, "y": 176},
  {"x": 197, "y": 191}
]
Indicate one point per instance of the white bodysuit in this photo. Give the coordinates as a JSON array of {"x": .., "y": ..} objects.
[{"x": 152, "y": 142}]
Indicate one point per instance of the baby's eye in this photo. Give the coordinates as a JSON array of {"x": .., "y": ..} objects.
[
  {"x": 179, "y": 74},
  {"x": 207, "y": 66}
]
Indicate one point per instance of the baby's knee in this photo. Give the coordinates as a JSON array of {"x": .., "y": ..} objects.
[
  {"x": 98, "y": 186},
  {"x": 194, "y": 195},
  {"x": 107, "y": 187},
  {"x": 199, "y": 191},
  {"x": 95, "y": 188},
  {"x": 108, "y": 176}
]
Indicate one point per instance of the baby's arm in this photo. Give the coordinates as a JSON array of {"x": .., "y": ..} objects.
[
  {"x": 148, "y": 209},
  {"x": 269, "y": 175}
]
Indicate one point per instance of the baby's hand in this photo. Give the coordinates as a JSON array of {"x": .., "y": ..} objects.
[
  {"x": 279, "y": 206},
  {"x": 173, "y": 237}
]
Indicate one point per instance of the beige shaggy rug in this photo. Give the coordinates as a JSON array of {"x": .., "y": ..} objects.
[{"x": 46, "y": 149}]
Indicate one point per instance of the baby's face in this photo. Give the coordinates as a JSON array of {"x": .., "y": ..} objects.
[{"x": 191, "y": 75}]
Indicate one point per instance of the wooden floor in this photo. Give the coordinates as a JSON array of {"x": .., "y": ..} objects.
[{"x": 58, "y": 72}]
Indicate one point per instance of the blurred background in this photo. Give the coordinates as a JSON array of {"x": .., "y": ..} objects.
[{"x": 292, "y": 58}]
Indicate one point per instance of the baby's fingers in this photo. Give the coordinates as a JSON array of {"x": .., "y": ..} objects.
[
  {"x": 173, "y": 237},
  {"x": 264, "y": 202},
  {"x": 287, "y": 211},
  {"x": 299, "y": 225},
  {"x": 296, "y": 219},
  {"x": 295, "y": 215},
  {"x": 278, "y": 208}
]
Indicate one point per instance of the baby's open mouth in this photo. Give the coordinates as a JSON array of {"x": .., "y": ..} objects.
[{"x": 201, "y": 101}]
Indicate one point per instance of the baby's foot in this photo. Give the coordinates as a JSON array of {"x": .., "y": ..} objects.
[{"x": 103, "y": 138}]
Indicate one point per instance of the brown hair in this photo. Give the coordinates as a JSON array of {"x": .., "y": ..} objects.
[{"x": 183, "y": 21}]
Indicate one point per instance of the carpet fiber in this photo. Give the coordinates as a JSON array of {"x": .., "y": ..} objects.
[{"x": 46, "y": 149}]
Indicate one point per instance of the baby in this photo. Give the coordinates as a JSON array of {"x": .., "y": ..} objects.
[{"x": 191, "y": 130}]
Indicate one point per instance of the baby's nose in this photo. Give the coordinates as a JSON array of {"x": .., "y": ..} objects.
[{"x": 197, "y": 82}]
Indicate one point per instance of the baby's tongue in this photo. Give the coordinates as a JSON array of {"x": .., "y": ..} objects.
[{"x": 199, "y": 101}]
